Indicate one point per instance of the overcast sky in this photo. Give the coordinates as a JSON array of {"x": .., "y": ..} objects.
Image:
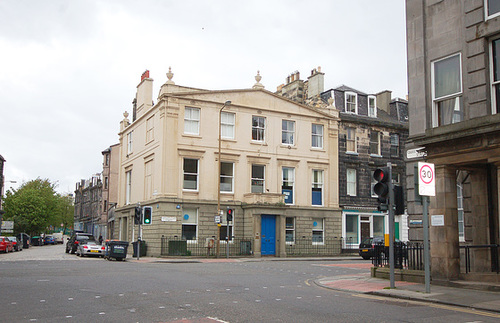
[{"x": 69, "y": 69}]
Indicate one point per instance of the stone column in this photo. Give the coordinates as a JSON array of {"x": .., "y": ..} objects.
[{"x": 444, "y": 243}]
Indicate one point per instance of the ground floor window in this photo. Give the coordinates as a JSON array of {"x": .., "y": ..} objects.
[
  {"x": 226, "y": 230},
  {"x": 189, "y": 224},
  {"x": 290, "y": 230},
  {"x": 318, "y": 233},
  {"x": 351, "y": 228},
  {"x": 378, "y": 226}
]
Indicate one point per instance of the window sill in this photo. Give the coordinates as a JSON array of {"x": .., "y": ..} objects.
[
  {"x": 317, "y": 149},
  {"x": 288, "y": 146},
  {"x": 318, "y": 243},
  {"x": 375, "y": 155},
  {"x": 191, "y": 135},
  {"x": 353, "y": 153},
  {"x": 258, "y": 143}
]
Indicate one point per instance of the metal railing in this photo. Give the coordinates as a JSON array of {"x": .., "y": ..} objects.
[
  {"x": 205, "y": 247},
  {"x": 408, "y": 255},
  {"x": 307, "y": 247},
  {"x": 493, "y": 248},
  {"x": 241, "y": 247}
]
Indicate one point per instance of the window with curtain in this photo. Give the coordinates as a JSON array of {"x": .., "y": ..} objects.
[
  {"x": 287, "y": 184},
  {"x": 258, "y": 128},
  {"x": 317, "y": 135},
  {"x": 290, "y": 230},
  {"x": 226, "y": 177},
  {"x": 394, "y": 145},
  {"x": 447, "y": 94},
  {"x": 227, "y": 125},
  {"x": 287, "y": 132},
  {"x": 318, "y": 233},
  {"x": 351, "y": 229},
  {"x": 190, "y": 168},
  {"x": 372, "y": 106},
  {"x": 351, "y": 182},
  {"x": 351, "y": 102},
  {"x": 192, "y": 121},
  {"x": 351, "y": 139},
  {"x": 375, "y": 143}
]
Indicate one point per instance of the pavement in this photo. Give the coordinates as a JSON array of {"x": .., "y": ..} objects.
[{"x": 471, "y": 295}]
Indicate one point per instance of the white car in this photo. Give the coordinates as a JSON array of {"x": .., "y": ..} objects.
[{"x": 90, "y": 248}]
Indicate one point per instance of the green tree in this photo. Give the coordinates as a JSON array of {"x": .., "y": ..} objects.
[{"x": 32, "y": 207}]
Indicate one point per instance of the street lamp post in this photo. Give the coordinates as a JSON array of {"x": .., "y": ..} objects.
[{"x": 227, "y": 103}]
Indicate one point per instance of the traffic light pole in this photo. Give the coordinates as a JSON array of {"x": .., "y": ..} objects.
[{"x": 391, "y": 227}]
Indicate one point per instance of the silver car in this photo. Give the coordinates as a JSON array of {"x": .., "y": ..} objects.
[{"x": 90, "y": 248}]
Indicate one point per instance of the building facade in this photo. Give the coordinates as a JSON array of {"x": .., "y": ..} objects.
[
  {"x": 279, "y": 167},
  {"x": 110, "y": 165},
  {"x": 88, "y": 205},
  {"x": 373, "y": 129},
  {"x": 453, "y": 72}
]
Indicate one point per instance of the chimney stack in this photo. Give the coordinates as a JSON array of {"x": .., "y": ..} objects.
[
  {"x": 316, "y": 83},
  {"x": 144, "y": 94}
]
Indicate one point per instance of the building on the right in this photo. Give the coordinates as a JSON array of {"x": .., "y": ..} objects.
[{"x": 454, "y": 111}]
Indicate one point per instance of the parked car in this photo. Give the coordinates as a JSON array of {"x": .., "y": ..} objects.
[
  {"x": 36, "y": 241},
  {"x": 90, "y": 248},
  {"x": 16, "y": 244},
  {"x": 49, "y": 240},
  {"x": 24, "y": 239},
  {"x": 367, "y": 246},
  {"x": 6, "y": 245},
  {"x": 58, "y": 237},
  {"x": 77, "y": 238}
]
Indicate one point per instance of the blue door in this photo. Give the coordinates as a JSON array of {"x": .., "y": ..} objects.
[{"x": 268, "y": 235}]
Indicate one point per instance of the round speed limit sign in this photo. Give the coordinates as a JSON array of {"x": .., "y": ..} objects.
[{"x": 426, "y": 179}]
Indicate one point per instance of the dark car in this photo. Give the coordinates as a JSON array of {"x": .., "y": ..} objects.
[
  {"x": 367, "y": 247},
  {"x": 77, "y": 238},
  {"x": 36, "y": 241}
]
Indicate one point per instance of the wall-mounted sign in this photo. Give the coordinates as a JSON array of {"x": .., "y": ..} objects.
[
  {"x": 437, "y": 220},
  {"x": 168, "y": 219}
]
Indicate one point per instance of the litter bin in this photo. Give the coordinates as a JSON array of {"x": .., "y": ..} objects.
[
  {"x": 116, "y": 249},
  {"x": 143, "y": 248}
]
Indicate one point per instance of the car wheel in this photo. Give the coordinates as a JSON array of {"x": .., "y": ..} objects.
[{"x": 366, "y": 257}]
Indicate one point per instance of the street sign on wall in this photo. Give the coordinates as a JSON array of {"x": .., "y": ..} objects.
[{"x": 426, "y": 179}]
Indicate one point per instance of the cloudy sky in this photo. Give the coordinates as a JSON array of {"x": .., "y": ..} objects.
[{"x": 69, "y": 69}]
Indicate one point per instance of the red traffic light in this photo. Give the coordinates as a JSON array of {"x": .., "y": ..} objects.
[{"x": 381, "y": 174}]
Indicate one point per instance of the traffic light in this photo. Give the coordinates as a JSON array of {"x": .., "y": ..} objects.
[
  {"x": 229, "y": 215},
  {"x": 148, "y": 214},
  {"x": 399, "y": 200},
  {"x": 137, "y": 215},
  {"x": 381, "y": 175}
]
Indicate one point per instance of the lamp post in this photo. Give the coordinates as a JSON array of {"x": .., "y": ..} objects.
[{"x": 227, "y": 103}]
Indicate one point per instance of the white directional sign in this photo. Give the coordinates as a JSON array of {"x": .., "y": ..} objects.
[{"x": 426, "y": 179}]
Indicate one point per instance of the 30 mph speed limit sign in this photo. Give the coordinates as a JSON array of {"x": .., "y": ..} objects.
[{"x": 426, "y": 179}]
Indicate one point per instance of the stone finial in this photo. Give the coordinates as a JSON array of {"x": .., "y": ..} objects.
[
  {"x": 258, "y": 85},
  {"x": 170, "y": 75},
  {"x": 125, "y": 116},
  {"x": 331, "y": 101}
]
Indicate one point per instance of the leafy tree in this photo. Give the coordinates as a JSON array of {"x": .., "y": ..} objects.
[{"x": 32, "y": 207}]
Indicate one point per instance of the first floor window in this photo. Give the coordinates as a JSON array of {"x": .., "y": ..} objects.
[
  {"x": 318, "y": 231},
  {"x": 287, "y": 184},
  {"x": 128, "y": 186},
  {"x": 258, "y": 178},
  {"x": 394, "y": 145},
  {"x": 287, "y": 132},
  {"x": 447, "y": 90},
  {"x": 495, "y": 72},
  {"x": 350, "y": 139},
  {"x": 192, "y": 121},
  {"x": 190, "y": 174},
  {"x": 258, "y": 128},
  {"x": 189, "y": 224},
  {"x": 351, "y": 182},
  {"x": 290, "y": 230},
  {"x": 129, "y": 143},
  {"x": 227, "y": 125},
  {"x": 317, "y": 187},
  {"x": 226, "y": 177},
  {"x": 351, "y": 229},
  {"x": 317, "y": 136},
  {"x": 375, "y": 143}
]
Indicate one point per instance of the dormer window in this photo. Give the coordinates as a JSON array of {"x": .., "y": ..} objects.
[
  {"x": 351, "y": 102},
  {"x": 372, "y": 106}
]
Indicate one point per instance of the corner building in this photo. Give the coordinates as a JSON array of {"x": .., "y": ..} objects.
[
  {"x": 279, "y": 168},
  {"x": 453, "y": 81}
]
